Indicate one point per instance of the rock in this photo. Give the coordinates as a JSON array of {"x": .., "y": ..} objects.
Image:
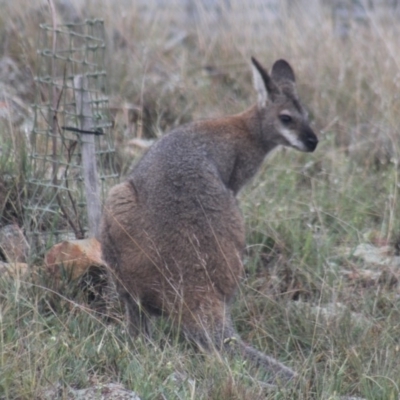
[
  {"x": 68, "y": 12},
  {"x": 13, "y": 244},
  {"x": 14, "y": 269},
  {"x": 142, "y": 144},
  {"x": 351, "y": 398},
  {"x": 375, "y": 265},
  {"x": 331, "y": 311},
  {"x": 75, "y": 256},
  {"x": 109, "y": 391},
  {"x": 13, "y": 109},
  {"x": 376, "y": 255},
  {"x": 15, "y": 81}
]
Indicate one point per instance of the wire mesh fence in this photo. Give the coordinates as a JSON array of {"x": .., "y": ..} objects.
[{"x": 71, "y": 109}]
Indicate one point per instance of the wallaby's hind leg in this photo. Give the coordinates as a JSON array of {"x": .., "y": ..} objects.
[
  {"x": 216, "y": 332},
  {"x": 138, "y": 319}
]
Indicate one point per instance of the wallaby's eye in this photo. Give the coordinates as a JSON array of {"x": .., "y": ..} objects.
[{"x": 285, "y": 119}]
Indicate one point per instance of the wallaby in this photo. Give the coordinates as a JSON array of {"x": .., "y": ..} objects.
[{"x": 173, "y": 234}]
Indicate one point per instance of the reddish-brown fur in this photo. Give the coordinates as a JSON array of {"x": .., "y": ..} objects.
[{"x": 173, "y": 233}]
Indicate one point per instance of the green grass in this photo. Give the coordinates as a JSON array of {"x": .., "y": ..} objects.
[{"x": 305, "y": 298}]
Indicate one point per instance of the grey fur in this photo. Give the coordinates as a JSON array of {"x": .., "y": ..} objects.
[{"x": 173, "y": 233}]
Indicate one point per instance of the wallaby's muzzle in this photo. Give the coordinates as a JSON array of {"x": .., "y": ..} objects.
[{"x": 310, "y": 140}]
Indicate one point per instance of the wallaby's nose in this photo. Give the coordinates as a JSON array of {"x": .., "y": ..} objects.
[{"x": 311, "y": 142}]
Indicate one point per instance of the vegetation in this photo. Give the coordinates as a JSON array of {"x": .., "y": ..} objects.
[{"x": 310, "y": 298}]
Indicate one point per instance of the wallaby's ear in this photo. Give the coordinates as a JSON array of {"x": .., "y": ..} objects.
[
  {"x": 282, "y": 71},
  {"x": 263, "y": 84}
]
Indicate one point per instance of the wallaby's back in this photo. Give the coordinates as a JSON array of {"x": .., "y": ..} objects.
[
  {"x": 173, "y": 232},
  {"x": 177, "y": 219}
]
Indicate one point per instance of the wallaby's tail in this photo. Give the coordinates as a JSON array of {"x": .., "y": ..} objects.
[
  {"x": 276, "y": 371},
  {"x": 221, "y": 336}
]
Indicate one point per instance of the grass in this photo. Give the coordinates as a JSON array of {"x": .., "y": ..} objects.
[{"x": 305, "y": 298}]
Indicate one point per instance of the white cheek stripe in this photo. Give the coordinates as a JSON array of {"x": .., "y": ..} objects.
[{"x": 292, "y": 139}]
